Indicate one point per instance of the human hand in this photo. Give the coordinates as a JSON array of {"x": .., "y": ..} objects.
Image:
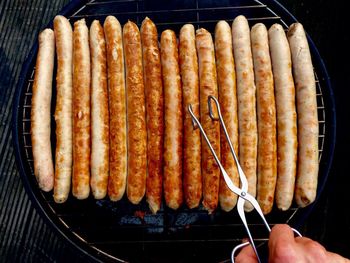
[{"x": 285, "y": 248}]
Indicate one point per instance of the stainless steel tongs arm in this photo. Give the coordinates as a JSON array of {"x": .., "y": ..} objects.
[
  {"x": 228, "y": 181},
  {"x": 242, "y": 177},
  {"x": 244, "y": 182},
  {"x": 241, "y": 192}
]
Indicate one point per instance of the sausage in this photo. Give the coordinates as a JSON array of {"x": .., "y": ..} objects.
[
  {"x": 192, "y": 177},
  {"x": 228, "y": 103},
  {"x": 117, "y": 109},
  {"x": 286, "y": 116},
  {"x": 266, "y": 116},
  {"x": 81, "y": 111},
  {"x": 40, "y": 114},
  {"x": 246, "y": 89},
  {"x": 307, "y": 173},
  {"x": 173, "y": 120},
  {"x": 208, "y": 86},
  {"x": 155, "y": 112},
  {"x": 63, "y": 112},
  {"x": 136, "y": 118},
  {"x": 99, "y": 112}
]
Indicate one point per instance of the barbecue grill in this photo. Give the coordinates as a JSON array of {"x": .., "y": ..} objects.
[{"x": 122, "y": 232}]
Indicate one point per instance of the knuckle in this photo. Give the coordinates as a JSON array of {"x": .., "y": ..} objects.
[{"x": 316, "y": 251}]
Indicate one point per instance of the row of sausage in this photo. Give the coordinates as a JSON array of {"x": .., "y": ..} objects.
[{"x": 122, "y": 122}]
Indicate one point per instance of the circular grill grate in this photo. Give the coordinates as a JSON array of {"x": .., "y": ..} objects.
[{"x": 111, "y": 230}]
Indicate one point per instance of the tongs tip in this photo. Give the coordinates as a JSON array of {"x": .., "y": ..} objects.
[
  {"x": 194, "y": 123},
  {"x": 213, "y": 115}
]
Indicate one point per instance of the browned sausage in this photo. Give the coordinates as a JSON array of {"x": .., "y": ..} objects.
[
  {"x": 81, "y": 110},
  {"x": 306, "y": 184},
  {"x": 117, "y": 109},
  {"x": 228, "y": 102},
  {"x": 99, "y": 112},
  {"x": 63, "y": 111},
  {"x": 208, "y": 86},
  {"x": 286, "y": 116},
  {"x": 155, "y": 112},
  {"x": 266, "y": 115},
  {"x": 246, "y": 102},
  {"x": 136, "y": 119},
  {"x": 173, "y": 120},
  {"x": 192, "y": 181},
  {"x": 40, "y": 114}
]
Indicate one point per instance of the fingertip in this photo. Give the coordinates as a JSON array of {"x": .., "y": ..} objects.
[
  {"x": 247, "y": 255},
  {"x": 281, "y": 240},
  {"x": 281, "y": 228}
]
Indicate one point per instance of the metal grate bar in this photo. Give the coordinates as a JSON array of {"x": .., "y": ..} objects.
[{"x": 157, "y": 12}]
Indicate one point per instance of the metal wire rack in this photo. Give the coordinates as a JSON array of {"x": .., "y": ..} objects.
[{"x": 112, "y": 230}]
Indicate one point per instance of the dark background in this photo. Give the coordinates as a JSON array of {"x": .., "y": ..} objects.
[{"x": 23, "y": 234}]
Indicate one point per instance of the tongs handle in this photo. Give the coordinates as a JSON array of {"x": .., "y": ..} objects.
[{"x": 243, "y": 245}]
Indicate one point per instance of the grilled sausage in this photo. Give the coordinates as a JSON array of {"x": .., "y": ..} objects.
[
  {"x": 63, "y": 111},
  {"x": 154, "y": 108},
  {"x": 228, "y": 103},
  {"x": 208, "y": 86},
  {"x": 306, "y": 183},
  {"x": 81, "y": 111},
  {"x": 136, "y": 119},
  {"x": 286, "y": 116},
  {"x": 192, "y": 183},
  {"x": 266, "y": 115},
  {"x": 40, "y": 114},
  {"x": 99, "y": 112},
  {"x": 117, "y": 109},
  {"x": 173, "y": 120},
  {"x": 246, "y": 102}
]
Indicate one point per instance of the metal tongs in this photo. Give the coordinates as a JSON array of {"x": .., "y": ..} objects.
[{"x": 242, "y": 192}]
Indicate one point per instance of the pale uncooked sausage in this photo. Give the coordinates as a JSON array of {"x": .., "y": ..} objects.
[
  {"x": 40, "y": 113},
  {"x": 247, "y": 126},
  {"x": 286, "y": 116},
  {"x": 307, "y": 174}
]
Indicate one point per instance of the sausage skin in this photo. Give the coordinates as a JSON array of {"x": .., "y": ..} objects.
[
  {"x": 40, "y": 113},
  {"x": 173, "y": 120},
  {"x": 286, "y": 116},
  {"x": 208, "y": 86},
  {"x": 307, "y": 173},
  {"x": 155, "y": 113},
  {"x": 192, "y": 181},
  {"x": 63, "y": 112},
  {"x": 117, "y": 109},
  {"x": 99, "y": 112},
  {"x": 266, "y": 116},
  {"x": 81, "y": 111},
  {"x": 246, "y": 98},
  {"x": 136, "y": 118},
  {"x": 228, "y": 103}
]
